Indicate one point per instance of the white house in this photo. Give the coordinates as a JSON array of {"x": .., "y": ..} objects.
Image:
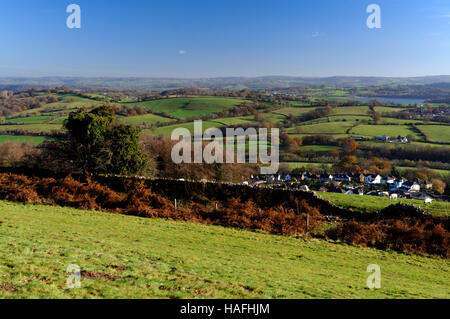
[
  {"x": 399, "y": 183},
  {"x": 370, "y": 179},
  {"x": 411, "y": 187},
  {"x": 390, "y": 180}
]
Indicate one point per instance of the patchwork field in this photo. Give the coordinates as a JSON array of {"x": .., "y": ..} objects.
[
  {"x": 167, "y": 130},
  {"x": 384, "y": 130},
  {"x": 436, "y": 133},
  {"x": 296, "y": 111},
  {"x": 148, "y": 119},
  {"x": 32, "y": 128},
  {"x": 130, "y": 257},
  {"x": 36, "y": 140},
  {"x": 30, "y": 119},
  {"x": 189, "y": 107},
  {"x": 68, "y": 102},
  {"x": 352, "y": 110},
  {"x": 322, "y": 128}
]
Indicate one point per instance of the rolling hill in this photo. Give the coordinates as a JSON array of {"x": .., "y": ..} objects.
[{"x": 129, "y": 257}]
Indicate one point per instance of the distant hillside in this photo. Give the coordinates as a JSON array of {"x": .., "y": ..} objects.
[{"x": 16, "y": 84}]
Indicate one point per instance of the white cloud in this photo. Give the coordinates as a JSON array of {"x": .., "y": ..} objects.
[
  {"x": 182, "y": 52},
  {"x": 315, "y": 34}
]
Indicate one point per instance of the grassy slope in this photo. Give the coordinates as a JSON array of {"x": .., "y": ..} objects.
[
  {"x": 168, "y": 259},
  {"x": 34, "y": 128},
  {"x": 30, "y": 119},
  {"x": 190, "y": 107},
  {"x": 147, "y": 119},
  {"x": 375, "y": 203},
  {"x": 167, "y": 130},
  {"x": 382, "y": 130},
  {"x": 436, "y": 133}
]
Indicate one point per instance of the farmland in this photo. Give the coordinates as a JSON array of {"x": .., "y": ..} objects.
[
  {"x": 384, "y": 130},
  {"x": 31, "y": 128},
  {"x": 155, "y": 258},
  {"x": 36, "y": 140},
  {"x": 370, "y": 204},
  {"x": 30, "y": 119},
  {"x": 436, "y": 133},
  {"x": 189, "y": 107},
  {"x": 330, "y": 128},
  {"x": 342, "y": 122},
  {"x": 147, "y": 119}
]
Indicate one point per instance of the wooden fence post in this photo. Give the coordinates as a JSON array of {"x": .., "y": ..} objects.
[{"x": 307, "y": 223}]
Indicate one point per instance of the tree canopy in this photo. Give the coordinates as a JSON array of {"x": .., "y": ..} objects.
[{"x": 96, "y": 143}]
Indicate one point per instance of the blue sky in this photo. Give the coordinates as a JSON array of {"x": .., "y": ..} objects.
[{"x": 224, "y": 38}]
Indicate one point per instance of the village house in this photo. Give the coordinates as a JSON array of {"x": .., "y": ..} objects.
[
  {"x": 402, "y": 140},
  {"x": 398, "y": 183},
  {"x": 372, "y": 180},
  {"x": 325, "y": 178},
  {"x": 342, "y": 178},
  {"x": 382, "y": 138},
  {"x": 410, "y": 187}
]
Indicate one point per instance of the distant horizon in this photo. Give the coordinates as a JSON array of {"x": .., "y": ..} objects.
[{"x": 218, "y": 77}]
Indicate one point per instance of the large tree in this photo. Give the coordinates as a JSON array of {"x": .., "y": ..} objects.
[{"x": 96, "y": 143}]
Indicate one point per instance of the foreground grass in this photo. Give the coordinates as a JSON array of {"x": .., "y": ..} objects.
[
  {"x": 166, "y": 259},
  {"x": 370, "y": 204}
]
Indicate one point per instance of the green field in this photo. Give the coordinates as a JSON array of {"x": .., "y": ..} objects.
[
  {"x": 384, "y": 109},
  {"x": 294, "y": 165},
  {"x": 229, "y": 121},
  {"x": 375, "y": 203},
  {"x": 32, "y": 128},
  {"x": 30, "y": 119},
  {"x": 319, "y": 148},
  {"x": 384, "y": 130},
  {"x": 167, "y": 130},
  {"x": 59, "y": 120},
  {"x": 351, "y": 110},
  {"x": 322, "y": 128},
  {"x": 190, "y": 107},
  {"x": 36, "y": 140},
  {"x": 166, "y": 259},
  {"x": 68, "y": 101},
  {"x": 148, "y": 119},
  {"x": 436, "y": 133},
  {"x": 296, "y": 111}
]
